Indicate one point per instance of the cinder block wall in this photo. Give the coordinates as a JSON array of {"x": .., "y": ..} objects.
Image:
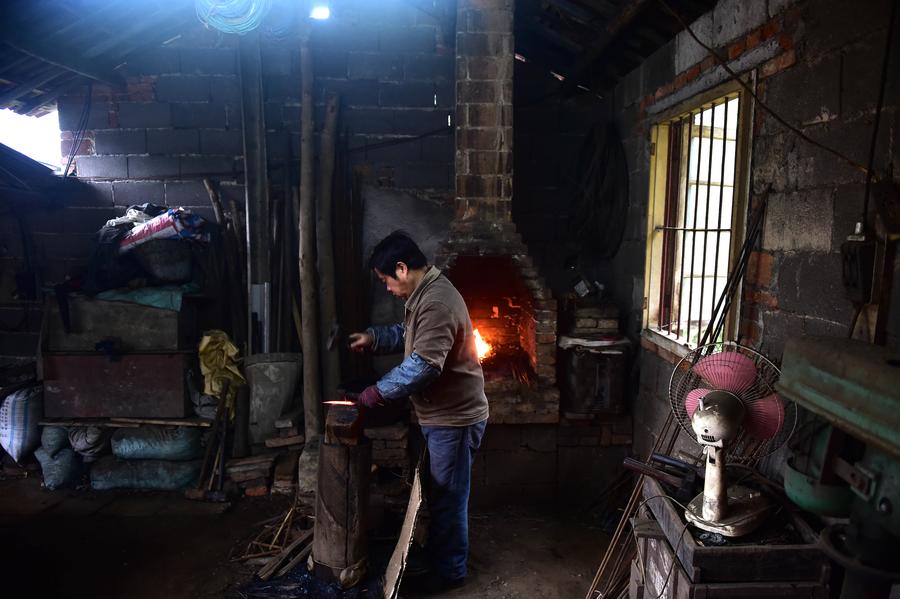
[{"x": 818, "y": 64}]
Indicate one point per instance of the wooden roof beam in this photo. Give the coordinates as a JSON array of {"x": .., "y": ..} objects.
[{"x": 60, "y": 54}]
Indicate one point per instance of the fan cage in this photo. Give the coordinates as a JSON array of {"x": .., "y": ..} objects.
[{"x": 744, "y": 449}]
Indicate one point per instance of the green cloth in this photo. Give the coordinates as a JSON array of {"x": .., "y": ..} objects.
[{"x": 166, "y": 297}]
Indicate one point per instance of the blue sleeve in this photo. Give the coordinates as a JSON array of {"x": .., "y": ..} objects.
[
  {"x": 388, "y": 338},
  {"x": 411, "y": 376}
]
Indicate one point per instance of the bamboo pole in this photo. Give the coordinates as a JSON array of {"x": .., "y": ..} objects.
[
  {"x": 331, "y": 361},
  {"x": 312, "y": 387}
]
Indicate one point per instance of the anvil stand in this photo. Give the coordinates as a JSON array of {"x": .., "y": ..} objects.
[{"x": 340, "y": 552}]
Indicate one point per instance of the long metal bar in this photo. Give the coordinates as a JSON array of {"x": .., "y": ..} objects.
[
  {"x": 687, "y": 186},
  {"x": 687, "y": 335},
  {"x": 721, "y": 197},
  {"x": 667, "y": 272},
  {"x": 712, "y": 127},
  {"x": 688, "y": 229}
]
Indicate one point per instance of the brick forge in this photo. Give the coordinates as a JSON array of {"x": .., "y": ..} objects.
[{"x": 484, "y": 255}]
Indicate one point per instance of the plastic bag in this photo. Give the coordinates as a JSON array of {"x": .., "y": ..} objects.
[
  {"x": 53, "y": 439},
  {"x": 19, "y": 416},
  {"x": 157, "y": 443},
  {"x": 60, "y": 470},
  {"x": 111, "y": 473},
  {"x": 89, "y": 441}
]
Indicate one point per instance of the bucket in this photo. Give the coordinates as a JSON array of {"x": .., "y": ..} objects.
[{"x": 273, "y": 380}]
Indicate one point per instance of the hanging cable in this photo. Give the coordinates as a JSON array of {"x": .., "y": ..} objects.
[
  {"x": 232, "y": 16},
  {"x": 81, "y": 129},
  {"x": 752, "y": 94}
]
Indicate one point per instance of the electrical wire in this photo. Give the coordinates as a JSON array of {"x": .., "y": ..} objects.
[
  {"x": 81, "y": 129},
  {"x": 233, "y": 16},
  {"x": 884, "y": 73},
  {"x": 753, "y": 95}
]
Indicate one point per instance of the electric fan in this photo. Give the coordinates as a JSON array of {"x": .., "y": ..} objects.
[{"x": 723, "y": 395}]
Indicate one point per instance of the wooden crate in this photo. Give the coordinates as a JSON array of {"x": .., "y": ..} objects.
[
  {"x": 651, "y": 576},
  {"x": 737, "y": 563}
]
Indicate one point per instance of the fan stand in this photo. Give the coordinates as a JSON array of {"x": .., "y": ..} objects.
[{"x": 732, "y": 512}]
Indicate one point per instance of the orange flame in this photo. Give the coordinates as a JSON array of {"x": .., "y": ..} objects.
[{"x": 483, "y": 347}]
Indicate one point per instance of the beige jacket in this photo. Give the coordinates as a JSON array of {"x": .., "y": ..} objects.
[{"x": 438, "y": 329}]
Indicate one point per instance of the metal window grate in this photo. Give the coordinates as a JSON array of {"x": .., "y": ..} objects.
[{"x": 698, "y": 219}]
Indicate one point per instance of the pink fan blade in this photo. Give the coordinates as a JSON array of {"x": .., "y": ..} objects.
[
  {"x": 728, "y": 371},
  {"x": 693, "y": 400},
  {"x": 765, "y": 417}
]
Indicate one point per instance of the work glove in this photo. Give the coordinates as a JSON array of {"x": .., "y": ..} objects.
[{"x": 370, "y": 397}]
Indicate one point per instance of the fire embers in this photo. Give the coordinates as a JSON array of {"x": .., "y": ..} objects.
[{"x": 484, "y": 349}]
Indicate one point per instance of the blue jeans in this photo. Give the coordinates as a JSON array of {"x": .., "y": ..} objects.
[{"x": 450, "y": 450}]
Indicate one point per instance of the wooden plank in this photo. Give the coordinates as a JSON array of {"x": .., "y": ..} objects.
[
  {"x": 285, "y": 441},
  {"x": 87, "y": 422},
  {"x": 197, "y": 422},
  {"x": 266, "y": 571}
]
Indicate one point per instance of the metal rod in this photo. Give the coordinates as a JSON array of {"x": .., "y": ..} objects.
[
  {"x": 689, "y": 230},
  {"x": 687, "y": 183},
  {"x": 687, "y": 335},
  {"x": 712, "y": 127},
  {"x": 721, "y": 197}
]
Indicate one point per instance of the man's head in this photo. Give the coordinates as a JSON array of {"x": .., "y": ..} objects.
[{"x": 399, "y": 263}]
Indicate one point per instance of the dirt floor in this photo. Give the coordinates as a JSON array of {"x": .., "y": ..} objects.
[{"x": 139, "y": 545}]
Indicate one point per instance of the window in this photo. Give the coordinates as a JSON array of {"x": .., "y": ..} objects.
[
  {"x": 36, "y": 137},
  {"x": 696, "y": 215}
]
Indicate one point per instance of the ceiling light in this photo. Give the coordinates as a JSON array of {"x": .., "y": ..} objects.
[{"x": 320, "y": 12}]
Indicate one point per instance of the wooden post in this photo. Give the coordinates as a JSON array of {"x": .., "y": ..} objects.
[
  {"x": 312, "y": 387},
  {"x": 339, "y": 551},
  {"x": 331, "y": 361}
]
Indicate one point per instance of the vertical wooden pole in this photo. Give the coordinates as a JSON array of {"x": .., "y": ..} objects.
[
  {"x": 312, "y": 387},
  {"x": 331, "y": 361}
]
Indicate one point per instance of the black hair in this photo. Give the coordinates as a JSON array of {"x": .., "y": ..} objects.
[{"x": 396, "y": 247}]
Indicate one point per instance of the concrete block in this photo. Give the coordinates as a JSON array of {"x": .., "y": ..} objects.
[
  {"x": 182, "y": 88},
  {"x": 412, "y": 94},
  {"x": 734, "y": 18},
  {"x": 197, "y": 115},
  {"x": 173, "y": 141},
  {"x": 799, "y": 221},
  {"x": 788, "y": 93},
  {"x": 537, "y": 437},
  {"x": 130, "y": 193},
  {"x": 136, "y": 115},
  {"x": 848, "y": 207},
  {"x": 687, "y": 51},
  {"x": 520, "y": 467},
  {"x": 186, "y": 193},
  {"x": 370, "y": 120},
  {"x": 774, "y": 7},
  {"x": 226, "y": 89},
  {"x": 206, "y": 166},
  {"x": 417, "y": 122},
  {"x": 337, "y": 37},
  {"x": 332, "y": 64},
  {"x": 97, "y": 194},
  {"x": 69, "y": 112},
  {"x": 409, "y": 40},
  {"x": 120, "y": 141},
  {"x": 810, "y": 284},
  {"x": 369, "y": 65},
  {"x": 101, "y": 167},
  {"x": 212, "y": 61},
  {"x": 352, "y": 93},
  {"x": 424, "y": 175},
  {"x": 152, "y": 167},
  {"x": 154, "y": 61},
  {"x": 661, "y": 67},
  {"x": 276, "y": 61},
  {"x": 428, "y": 67},
  {"x": 502, "y": 437},
  {"x": 777, "y": 327},
  {"x": 225, "y": 142}
]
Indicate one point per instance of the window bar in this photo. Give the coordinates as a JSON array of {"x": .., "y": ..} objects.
[
  {"x": 694, "y": 235},
  {"x": 712, "y": 131},
  {"x": 721, "y": 196},
  {"x": 687, "y": 188}
]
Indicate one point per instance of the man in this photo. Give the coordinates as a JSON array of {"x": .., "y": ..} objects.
[{"x": 442, "y": 376}]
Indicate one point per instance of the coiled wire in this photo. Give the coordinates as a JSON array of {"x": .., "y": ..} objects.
[{"x": 233, "y": 16}]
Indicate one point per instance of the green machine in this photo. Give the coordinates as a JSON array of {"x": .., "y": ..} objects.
[{"x": 853, "y": 465}]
